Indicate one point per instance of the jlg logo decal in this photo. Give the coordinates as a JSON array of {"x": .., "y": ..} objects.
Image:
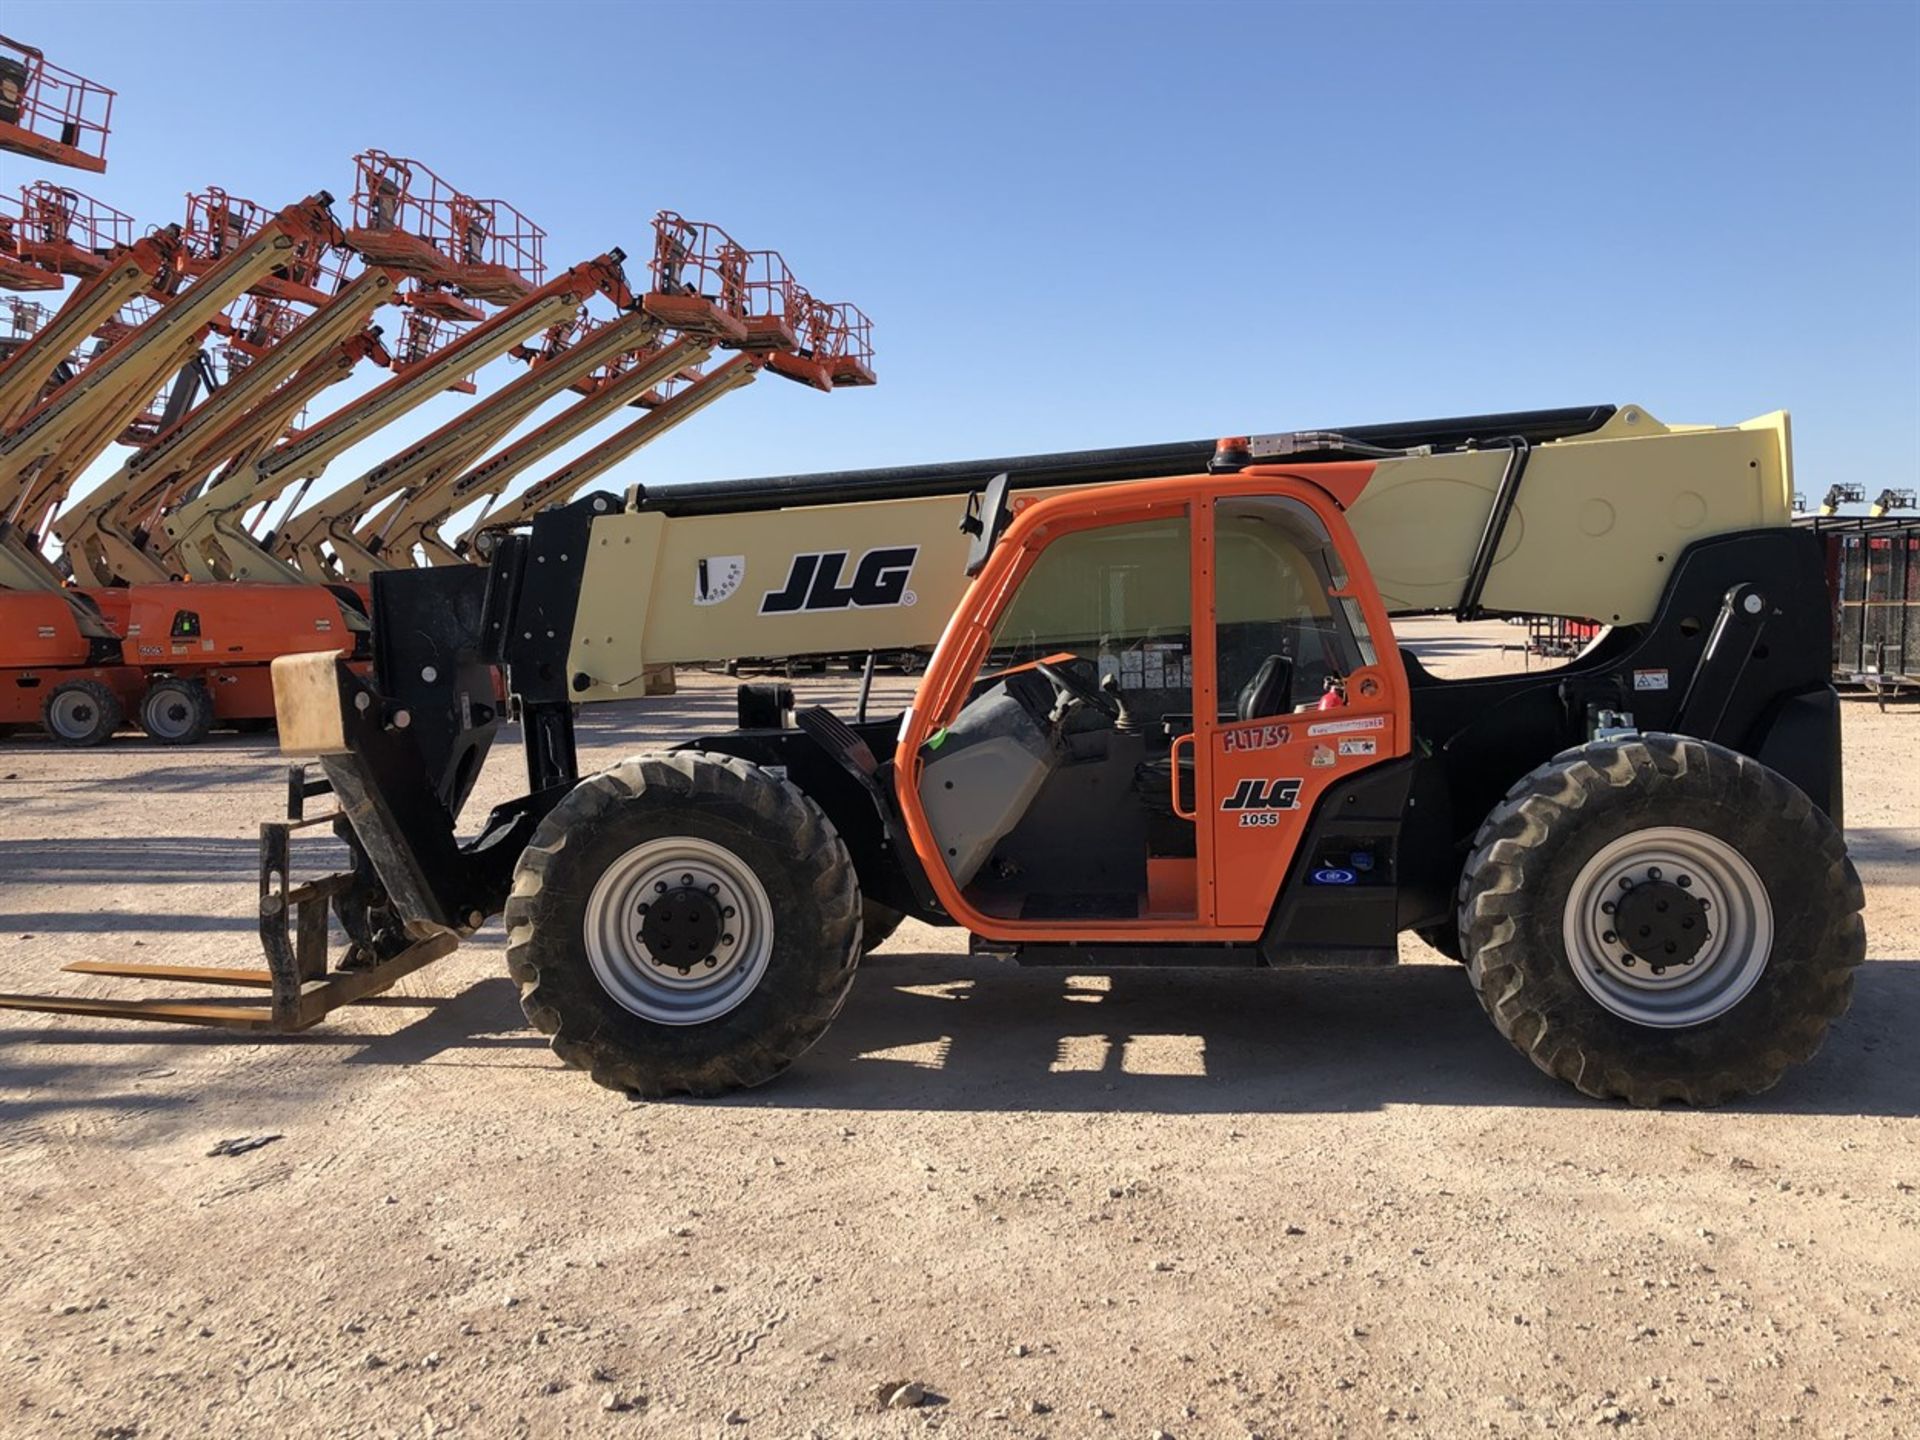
[
  {"x": 813, "y": 583},
  {"x": 1257, "y": 794}
]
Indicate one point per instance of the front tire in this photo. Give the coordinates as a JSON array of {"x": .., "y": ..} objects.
[
  {"x": 81, "y": 713},
  {"x": 1660, "y": 918},
  {"x": 684, "y": 924}
]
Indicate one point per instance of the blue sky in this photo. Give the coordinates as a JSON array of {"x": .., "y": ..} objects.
[{"x": 1109, "y": 224}]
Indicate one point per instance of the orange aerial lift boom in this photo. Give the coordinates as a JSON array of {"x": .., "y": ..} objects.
[
  {"x": 206, "y": 535},
  {"x": 420, "y": 520},
  {"x": 713, "y": 291},
  {"x": 283, "y": 363},
  {"x": 109, "y": 531},
  {"x": 699, "y": 276},
  {"x": 825, "y": 346},
  {"x": 563, "y": 483},
  {"x": 392, "y": 491},
  {"x": 147, "y": 266},
  {"x": 71, "y": 427}
]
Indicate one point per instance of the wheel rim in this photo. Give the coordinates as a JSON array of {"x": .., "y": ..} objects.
[
  {"x": 73, "y": 714},
  {"x": 679, "y": 930},
  {"x": 169, "y": 714},
  {"x": 1668, "y": 927}
]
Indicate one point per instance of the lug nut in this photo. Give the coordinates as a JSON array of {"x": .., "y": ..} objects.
[
  {"x": 1659, "y": 969},
  {"x": 1606, "y": 907},
  {"x": 1653, "y": 872},
  {"x": 645, "y": 908},
  {"x": 1626, "y": 882},
  {"x": 1627, "y": 960},
  {"x": 726, "y": 912},
  {"x": 726, "y": 939},
  {"x": 1685, "y": 882},
  {"x": 659, "y": 887},
  {"x": 684, "y": 969},
  {"x": 686, "y": 879},
  {"x": 710, "y": 961},
  {"x": 1608, "y": 936},
  {"x": 712, "y": 889}
]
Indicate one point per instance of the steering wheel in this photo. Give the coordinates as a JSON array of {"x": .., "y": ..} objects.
[{"x": 1072, "y": 684}]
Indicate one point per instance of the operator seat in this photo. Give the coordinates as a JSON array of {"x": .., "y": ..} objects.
[{"x": 1268, "y": 693}]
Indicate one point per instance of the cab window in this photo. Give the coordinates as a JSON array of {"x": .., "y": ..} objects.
[{"x": 1285, "y": 635}]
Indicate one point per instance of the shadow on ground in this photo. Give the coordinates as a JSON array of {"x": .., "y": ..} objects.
[{"x": 956, "y": 1034}]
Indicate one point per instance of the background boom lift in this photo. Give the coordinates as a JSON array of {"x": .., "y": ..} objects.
[
  {"x": 71, "y": 427},
  {"x": 144, "y": 268},
  {"x": 49, "y": 113}
]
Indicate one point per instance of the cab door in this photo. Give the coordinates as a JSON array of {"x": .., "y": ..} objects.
[{"x": 1306, "y": 686}]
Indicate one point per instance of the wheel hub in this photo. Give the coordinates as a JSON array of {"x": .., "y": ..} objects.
[
  {"x": 1668, "y": 927},
  {"x": 73, "y": 713},
  {"x": 683, "y": 925},
  {"x": 678, "y": 930},
  {"x": 1661, "y": 922}
]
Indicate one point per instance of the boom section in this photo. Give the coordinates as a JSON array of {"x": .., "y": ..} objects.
[
  {"x": 28, "y": 372},
  {"x": 110, "y": 531},
  {"x": 381, "y": 497},
  {"x": 206, "y": 533},
  {"x": 420, "y": 520},
  {"x": 71, "y": 427}
]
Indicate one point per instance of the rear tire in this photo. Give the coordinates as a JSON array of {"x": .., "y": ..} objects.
[
  {"x": 1734, "y": 954},
  {"x": 610, "y": 942},
  {"x": 81, "y": 713},
  {"x": 176, "y": 711}
]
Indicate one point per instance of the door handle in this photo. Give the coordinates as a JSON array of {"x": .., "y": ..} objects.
[{"x": 1173, "y": 768}]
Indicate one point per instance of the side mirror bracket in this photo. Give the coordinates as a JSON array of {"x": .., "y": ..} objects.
[{"x": 986, "y": 517}]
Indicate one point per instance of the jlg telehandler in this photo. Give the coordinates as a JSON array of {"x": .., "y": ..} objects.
[{"x": 1166, "y": 722}]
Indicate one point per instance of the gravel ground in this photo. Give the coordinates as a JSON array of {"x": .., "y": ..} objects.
[{"x": 1204, "y": 1205}]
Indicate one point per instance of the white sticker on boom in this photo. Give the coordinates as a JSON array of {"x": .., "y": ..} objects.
[
  {"x": 1367, "y": 746},
  {"x": 1649, "y": 679},
  {"x": 1347, "y": 727},
  {"x": 715, "y": 577}
]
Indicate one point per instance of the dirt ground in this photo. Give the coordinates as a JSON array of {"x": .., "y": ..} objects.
[{"x": 1227, "y": 1204}]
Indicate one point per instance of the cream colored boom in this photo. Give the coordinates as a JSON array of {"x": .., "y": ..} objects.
[
  {"x": 93, "y": 303},
  {"x": 104, "y": 530},
  {"x": 207, "y": 534},
  {"x": 422, "y": 516},
  {"x": 1599, "y": 521},
  {"x": 347, "y": 521},
  {"x": 76, "y": 423},
  {"x": 571, "y": 478},
  {"x": 363, "y": 524}
]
